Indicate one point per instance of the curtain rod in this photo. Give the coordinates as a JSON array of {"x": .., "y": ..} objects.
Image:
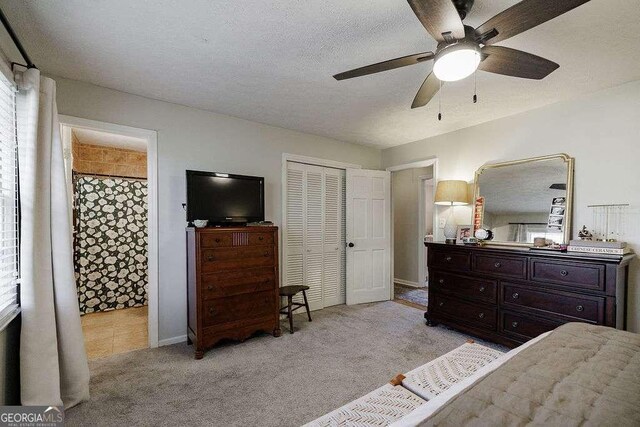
[
  {"x": 16, "y": 40},
  {"x": 101, "y": 175}
]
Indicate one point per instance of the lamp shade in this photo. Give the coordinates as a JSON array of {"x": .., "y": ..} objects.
[{"x": 452, "y": 193}]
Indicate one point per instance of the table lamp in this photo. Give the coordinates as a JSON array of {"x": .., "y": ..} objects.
[{"x": 451, "y": 193}]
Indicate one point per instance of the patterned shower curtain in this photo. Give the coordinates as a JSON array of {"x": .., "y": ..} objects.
[{"x": 110, "y": 230}]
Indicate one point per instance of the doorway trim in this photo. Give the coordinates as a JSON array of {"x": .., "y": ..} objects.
[
  {"x": 151, "y": 136},
  {"x": 433, "y": 162}
]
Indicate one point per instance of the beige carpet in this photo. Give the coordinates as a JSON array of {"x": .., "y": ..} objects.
[{"x": 344, "y": 353}]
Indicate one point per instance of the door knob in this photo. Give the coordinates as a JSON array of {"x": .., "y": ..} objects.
[{"x": 351, "y": 244}]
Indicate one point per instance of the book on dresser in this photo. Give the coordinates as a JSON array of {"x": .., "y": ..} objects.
[
  {"x": 232, "y": 284},
  {"x": 599, "y": 247},
  {"x": 510, "y": 295}
]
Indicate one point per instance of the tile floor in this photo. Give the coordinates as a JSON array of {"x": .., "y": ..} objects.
[{"x": 116, "y": 331}]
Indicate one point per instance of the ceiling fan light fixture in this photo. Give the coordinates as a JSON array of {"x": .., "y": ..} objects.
[{"x": 456, "y": 62}]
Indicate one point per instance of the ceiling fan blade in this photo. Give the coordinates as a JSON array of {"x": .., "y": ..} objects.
[
  {"x": 438, "y": 17},
  {"x": 524, "y": 16},
  {"x": 430, "y": 87},
  {"x": 386, "y": 65},
  {"x": 516, "y": 63}
]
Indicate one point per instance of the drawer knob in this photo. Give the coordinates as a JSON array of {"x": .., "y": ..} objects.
[
  {"x": 481, "y": 289},
  {"x": 211, "y": 311},
  {"x": 440, "y": 303},
  {"x": 266, "y": 253},
  {"x": 210, "y": 288},
  {"x": 514, "y": 324},
  {"x": 481, "y": 315},
  {"x": 497, "y": 265},
  {"x": 564, "y": 272},
  {"x": 441, "y": 281},
  {"x": 218, "y": 240},
  {"x": 210, "y": 258},
  {"x": 580, "y": 308},
  {"x": 515, "y": 295},
  {"x": 448, "y": 259},
  {"x": 260, "y": 238}
]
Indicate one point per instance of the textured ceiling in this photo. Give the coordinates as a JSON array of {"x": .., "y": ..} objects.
[
  {"x": 271, "y": 61},
  {"x": 94, "y": 137}
]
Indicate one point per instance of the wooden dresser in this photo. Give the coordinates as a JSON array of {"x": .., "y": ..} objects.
[
  {"x": 232, "y": 284},
  {"x": 509, "y": 295}
]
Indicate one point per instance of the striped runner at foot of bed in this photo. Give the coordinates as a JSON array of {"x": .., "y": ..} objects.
[{"x": 389, "y": 403}]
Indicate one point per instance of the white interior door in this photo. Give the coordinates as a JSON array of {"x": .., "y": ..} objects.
[
  {"x": 314, "y": 238},
  {"x": 333, "y": 281},
  {"x": 314, "y": 235},
  {"x": 368, "y": 214}
]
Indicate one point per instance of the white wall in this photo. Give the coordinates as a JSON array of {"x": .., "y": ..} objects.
[
  {"x": 602, "y": 132},
  {"x": 189, "y": 138},
  {"x": 405, "y": 190}
]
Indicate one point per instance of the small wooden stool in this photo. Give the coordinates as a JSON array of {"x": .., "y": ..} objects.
[{"x": 290, "y": 292}]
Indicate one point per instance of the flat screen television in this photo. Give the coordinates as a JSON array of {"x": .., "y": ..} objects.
[{"x": 223, "y": 198}]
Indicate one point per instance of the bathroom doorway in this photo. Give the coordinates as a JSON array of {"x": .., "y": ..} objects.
[{"x": 110, "y": 205}]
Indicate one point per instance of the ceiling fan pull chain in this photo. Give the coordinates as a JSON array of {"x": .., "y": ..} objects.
[
  {"x": 475, "y": 87},
  {"x": 440, "y": 102}
]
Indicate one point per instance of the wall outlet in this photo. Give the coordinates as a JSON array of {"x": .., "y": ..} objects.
[{"x": 441, "y": 222}]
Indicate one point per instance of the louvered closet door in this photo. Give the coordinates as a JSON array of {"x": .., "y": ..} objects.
[
  {"x": 293, "y": 233},
  {"x": 333, "y": 283},
  {"x": 314, "y": 235}
]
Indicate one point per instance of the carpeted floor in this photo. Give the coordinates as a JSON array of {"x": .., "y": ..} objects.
[{"x": 346, "y": 352}]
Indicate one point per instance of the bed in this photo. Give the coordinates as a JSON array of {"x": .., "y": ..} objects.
[{"x": 577, "y": 374}]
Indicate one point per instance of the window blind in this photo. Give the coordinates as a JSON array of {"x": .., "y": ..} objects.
[{"x": 9, "y": 248}]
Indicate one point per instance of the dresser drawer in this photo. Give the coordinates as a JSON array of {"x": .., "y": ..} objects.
[
  {"x": 525, "y": 327},
  {"x": 236, "y": 258},
  {"x": 500, "y": 266},
  {"x": 576, "y": 275},
  {"x": 475, "y": 315},
  {"x": 235, "y": 238},
  {"x": 260, "y": 238},
  {"x": 450, "y": 260},
  {"x": 582, "y": 307},
  {"x": 211, "y": 255},
  {"x": 238, "y": 307},
  {"x": 466, "y": 287},
  {"x": 215, "y": 240},
  {"x": 215, "y": 285}
]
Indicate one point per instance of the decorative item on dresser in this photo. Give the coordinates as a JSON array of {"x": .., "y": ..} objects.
[
  {"x": 232, "y": 284},
  {"x": 509, "y": 295},
  {"x": 451, "y": 193}
]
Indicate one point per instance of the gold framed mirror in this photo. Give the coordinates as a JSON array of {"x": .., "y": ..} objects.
[{"x": 521, "y": 200}]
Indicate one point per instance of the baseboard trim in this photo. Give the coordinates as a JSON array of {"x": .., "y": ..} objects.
[
  {"x": 173, "y": 340},
  {"x": 407, "y": 283}
]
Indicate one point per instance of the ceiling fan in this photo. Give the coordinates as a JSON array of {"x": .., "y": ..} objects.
[{"x": 462, "y": 49}]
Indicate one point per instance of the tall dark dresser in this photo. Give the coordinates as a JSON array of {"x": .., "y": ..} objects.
[
  {"x": 232, "y": 284},
  {"x": 510, "y": 295}
]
